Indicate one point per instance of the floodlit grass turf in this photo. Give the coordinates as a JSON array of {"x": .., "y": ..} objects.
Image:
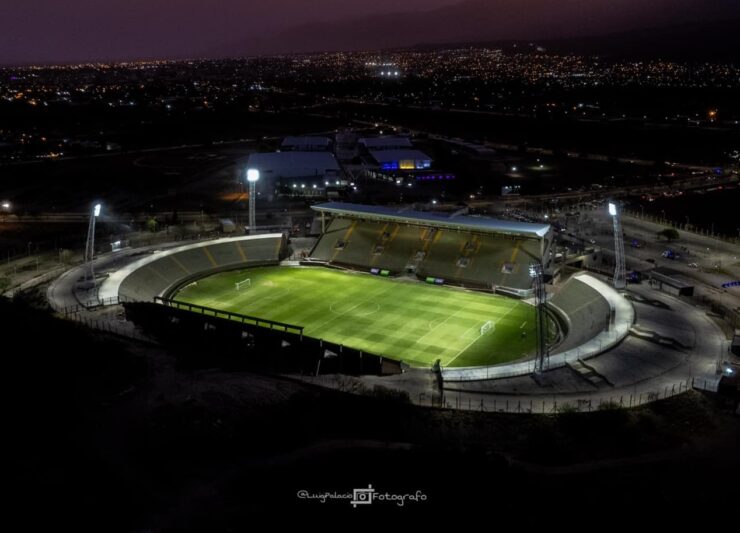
[{"x": 403, "y": 320}]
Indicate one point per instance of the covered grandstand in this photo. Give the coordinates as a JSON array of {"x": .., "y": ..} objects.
[
  {"x": 464, "y": 250},
  {"x": 159, "y": 273},
  {"x": 583, "y": 310}
]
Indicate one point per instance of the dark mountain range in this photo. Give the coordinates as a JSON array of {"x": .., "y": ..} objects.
[
  {"x": 691, "y": 41},
  {"x": 497, "y": 20}
]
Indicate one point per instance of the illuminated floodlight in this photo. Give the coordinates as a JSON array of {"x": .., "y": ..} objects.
[
  {"x": 253, "y": 175},
  {"x": 96, "y": 210},
  {"x": 6, "y": 205},
  {"x": 612, "y": 209}
]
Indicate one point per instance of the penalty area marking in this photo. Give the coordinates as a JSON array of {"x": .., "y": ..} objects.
[
  {"x": 432, "y": 324},
  {"x": 368, "y": 313},
  {"x": 478, "y": 338}
]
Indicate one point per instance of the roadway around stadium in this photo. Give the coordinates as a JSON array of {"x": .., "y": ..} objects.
[{"x": 399, "y": 319}]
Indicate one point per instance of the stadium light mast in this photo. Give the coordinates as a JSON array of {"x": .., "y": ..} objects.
[
  {"x": 542, "y": 362},
  {"x": 620, "y": 269},
  {"x": 253, "y": 176},
  {"x": 90, "y": 244}
]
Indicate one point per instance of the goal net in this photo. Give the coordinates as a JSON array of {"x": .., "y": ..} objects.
[
  {"x": 485, "y": 328},
  {"x": 243, "y": 284}
]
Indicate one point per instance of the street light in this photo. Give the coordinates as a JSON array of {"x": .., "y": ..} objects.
[
  {"x": 90, "y": 242},
  {"x": 253, "y": 176},
  {"x": 620, "y": 281}
]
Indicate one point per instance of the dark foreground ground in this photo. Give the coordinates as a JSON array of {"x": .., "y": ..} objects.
[{"x": 105, "y": 435}]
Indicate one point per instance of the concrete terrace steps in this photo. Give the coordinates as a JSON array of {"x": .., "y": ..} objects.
[{"x": 589, "y": 374}]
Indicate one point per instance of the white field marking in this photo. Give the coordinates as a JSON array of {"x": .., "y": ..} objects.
[
  {"x": 338, "y": 315},
  {"x": 523, "y": 324},
  {"x": 476, "y": 339},
  {"x": 465, "y": 333},
  {"x": 231, "y": 296},
  {"x": 437, "y": 326},
  {"x": 377, "y": 308},
  {"x": 431, "y": 323}
]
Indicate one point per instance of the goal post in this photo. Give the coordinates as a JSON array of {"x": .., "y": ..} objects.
[
  {"x": 485, "y": 328},
  {"x": 247, "y": 283}
]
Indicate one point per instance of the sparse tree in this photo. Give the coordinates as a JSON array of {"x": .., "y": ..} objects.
[
  {"x": 670, "y": 234},
  {"x": 65, "y": 256}
]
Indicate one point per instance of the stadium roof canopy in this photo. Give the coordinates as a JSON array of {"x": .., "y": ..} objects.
[
  {"x": 294, "y": 164},
  {"x": 384, "y": 143},
  {"x": 306, "y": 142},
  {"x": 459, "y": 222}
]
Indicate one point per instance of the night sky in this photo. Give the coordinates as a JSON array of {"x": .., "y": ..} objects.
[
  {"x": 44, "y": 31},
  {"x": 71, "y": 30}
]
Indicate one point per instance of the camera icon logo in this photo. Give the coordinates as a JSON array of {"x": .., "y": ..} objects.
[{"x": 362, "y": 496}]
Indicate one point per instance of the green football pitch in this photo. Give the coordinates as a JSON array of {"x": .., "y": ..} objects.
[{"x": 399, "y": 319}]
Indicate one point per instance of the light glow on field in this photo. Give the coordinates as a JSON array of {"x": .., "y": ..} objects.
[{"x": 398, "y": 319}]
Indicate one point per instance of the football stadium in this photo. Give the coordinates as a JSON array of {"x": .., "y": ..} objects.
[
  {"x": 405, "y": 285},
  {"x": 413, "y": 288}
]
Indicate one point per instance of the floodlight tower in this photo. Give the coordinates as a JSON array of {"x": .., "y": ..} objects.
[
  {"x": 253, "y": 176},
  {"x": 540, "y": 298},
  {"x": 90, "y": 244},
  {"x": 620, "y": 270}
]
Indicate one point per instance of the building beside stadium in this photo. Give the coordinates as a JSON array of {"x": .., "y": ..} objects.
[
  {"x": 386, "y": 143},
  {"x": 394, "y": 153},
  {"x": 298, "y": 172},
  {"x": 306, "y": 144},
  {"x": 401, "y": 159}
]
